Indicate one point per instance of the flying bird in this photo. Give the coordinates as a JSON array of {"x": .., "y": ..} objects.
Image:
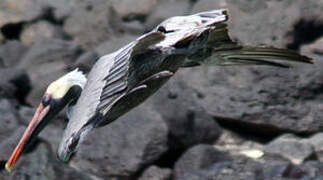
[{"x": 122, "y": 80}]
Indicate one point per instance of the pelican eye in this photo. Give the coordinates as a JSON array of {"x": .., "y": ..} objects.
[
  {"x": 46, "y": 99},
  {"x": 163, "y": 30}
]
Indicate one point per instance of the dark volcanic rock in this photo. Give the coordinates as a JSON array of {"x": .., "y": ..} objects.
[
  {"x": 291, "y": 147},
  {"x": 262, "y": 100},
  {"x": 239, "y": 169},
  {"x": 8, "y": 119},
  {"x": 198, "y": 157},
  {"x": 308, "y": 170},
  {"x": 11, "y": 53},
  {"x": 123, "y": 147},
  {"x": 156, "y": 173},
  {"x": 188, "y": 123},
  {"x": 45, "y": 62},
  {"x": 8, "y": 144},
  {"x": 42, "y": 164},
  {"x": 86, "y": 61},
  {"x": 317, "y": 141}
]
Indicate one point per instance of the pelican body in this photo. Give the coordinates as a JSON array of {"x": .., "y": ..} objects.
[{"x": 122, "y": 80}]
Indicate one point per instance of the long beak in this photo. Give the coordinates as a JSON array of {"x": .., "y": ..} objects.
[{"x": 37, "y": 118}]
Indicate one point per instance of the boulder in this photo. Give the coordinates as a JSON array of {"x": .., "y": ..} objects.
[
  {"x": 317, "y": 141},
  {"x": 291, "y": 147},
  {"x": 128, "y": 9},
  {"x": 231, "y": 170},
  {"x": 42, "y": 164},
  {"x": 11, "y": 53},
  {"x": 123, "y": 147},
  {"x": 9, "y": 119},
  {"x": 187, "y": 121},
  {"x": 89, "y": 23},
  {"x": 46, "y": 61},
  {"x": 156, "y": 173},
  {"x": 165, "y": 9},
  {"x": 40, "y": 30},
  {"x": 198, "y": 157}
]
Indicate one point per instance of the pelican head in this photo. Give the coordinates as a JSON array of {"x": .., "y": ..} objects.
[
  {"x": 184, "y": 23},
  {"x": 59, "y": 93}
]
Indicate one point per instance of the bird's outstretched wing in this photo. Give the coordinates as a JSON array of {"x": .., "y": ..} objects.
[{"x": 116, "y": 79}]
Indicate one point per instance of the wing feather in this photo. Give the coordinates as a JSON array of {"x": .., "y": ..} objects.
[{"x": 116, "y": 80}]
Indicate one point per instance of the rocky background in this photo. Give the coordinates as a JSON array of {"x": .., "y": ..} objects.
[{"x": 207, "y": 123}]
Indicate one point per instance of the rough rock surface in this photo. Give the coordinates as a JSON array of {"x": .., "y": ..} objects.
[
  {"x": 188, "y": 123},
  {"x": 156, "y": 173},
  {"x": 125, "y": 146},
  {"x": 291, "y": 147},
  {"x": 317, "y": 141},
  {"x": 45, "y": 62},
  {"x": 198, "y": 157},
  {"x": 40, "y": 30}
]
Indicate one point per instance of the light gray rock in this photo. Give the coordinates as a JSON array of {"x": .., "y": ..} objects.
[
  {"x": 291, "y": 147},
  {"x": 317, "y": 141},
  {"x": 114, "y": 44},
  {"x": 133, "y": 9},
  {"x": 89, "y": 23},
  {"x": 156, "y": 173},
  {"x": 165, "y": 9},
  {"x": 40, "y": 30}
]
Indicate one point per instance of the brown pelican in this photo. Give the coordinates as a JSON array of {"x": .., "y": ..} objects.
[{"x": 121, "y": 80}]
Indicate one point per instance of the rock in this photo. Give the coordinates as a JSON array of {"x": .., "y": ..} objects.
[
  {"x": 41, "y": 164},
  {"x": 133, "y": 9},
  {"x": 188, "y": 123},
  {"x": 317, "y": 141},
  {"x": 258, "y": 99},
  {"x": 123, "y": 147},
  {"x": 235, "y": 145},
  {"x": 308, "y": 170},
  {"x": 45, "y": 62},
  {"x": 8, "y": 144},
  {"x": 114, "y": 44},
  {"x": 243, "y": 21},
  {"x": 198, "y": 157},
  {"x": 156, "y": 173},
  {"x": 316, "y": 47},
  {"x": 16, "y": 89},
  {"x": 40, "y": 30},
  {"x": 86, "y": 61},
  {"x": 165, "y": 9},
  {"x": 11, "y": 53},
  {"x": 89, "y": 24},
  {"x": 243, "y": 169},
  {"x": 291, "y": 147},
  {"x": 22, "y": 87},
  {"x": 17, "y": 11},
  {"x": 8, "y": 120}
]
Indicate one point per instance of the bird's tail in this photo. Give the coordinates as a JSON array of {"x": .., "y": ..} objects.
[{"x": 238, "y": 55}]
